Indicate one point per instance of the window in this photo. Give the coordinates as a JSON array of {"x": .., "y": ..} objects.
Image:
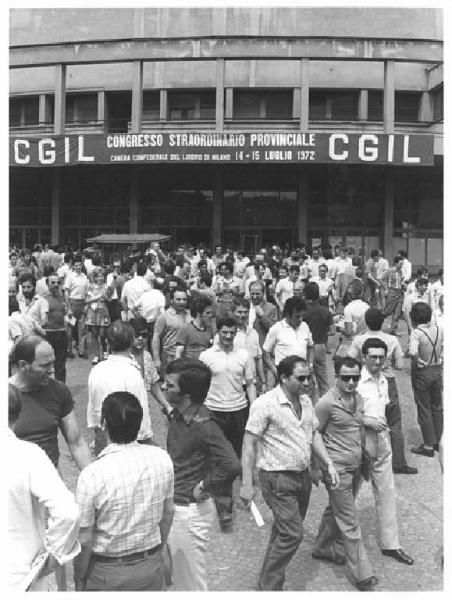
[
  {"x": 81, "y": 108},
  {"x": 24, "y": 111},
  {"x": 375, "y": 106},
  {"x": 406, "y": 106},
  {"x": 438, "y": 103},
  {"x": 187, "y": 106},
  {"x": 334, "y": 105},
  {"x": 151, "y": 106},
  {"x": 260, "y": 104}
]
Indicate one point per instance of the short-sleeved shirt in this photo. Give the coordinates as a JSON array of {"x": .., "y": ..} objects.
[
  {"x": 117, "y": 374},
  {"x": 151, "y": 304},
  {"x": 38, "y": 308},
  {"x": 122, "y": 494},
  {"x": 341, "y": 429},
  {"x": 168, "y": 325},
  {"x": 319, "y": 320},
  {"x": 229, "y": 369},
  {"x": 194, "y": 340},
  {"x": 354, "y": 313},
  {"x": 325, "y": 285},
  {"x": 41, "y": 415},
  {"x": 395, "y": 351},
  {"x": 284, "y": 290},
  {"x": 77, "y": 285},
  {"x": 285, "y": 340},
  {"x": 284, "y": 440},
  {"x": 248, "y": 339}
]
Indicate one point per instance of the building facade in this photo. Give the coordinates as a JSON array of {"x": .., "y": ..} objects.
[{"x": 242, "y": 125}]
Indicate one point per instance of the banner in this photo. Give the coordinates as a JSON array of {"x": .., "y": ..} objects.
[{"x": 232, "y": 147}]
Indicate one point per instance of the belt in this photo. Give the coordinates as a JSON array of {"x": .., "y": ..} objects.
[{"x": 127, "y": 558}]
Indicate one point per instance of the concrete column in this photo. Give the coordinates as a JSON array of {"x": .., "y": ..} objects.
[
  {"x": 101, "y": 113},
  {"x": 43, "y": 109},
  {"x": 56, "y": 208},
  {"x": 219, "y": 102},
  {"x": 60, "y": 100},
  {"x": 163, "y": 105},
  {"x": 389, "y": 97},
  {"x": 137, "y": 96},
  {"x": 426, "y": 108},
  {"x": 296, "y": 103},
  {"x": 303, "y": 189},
  {"x": 304, "y": 94},
  {"x": 217, "y": 206},
  {"x": 363, "y": 105},
  {"x": 388, "y": 234},
  {"x": 134, "y": 191},
  {"x": 229, "y": 106}
]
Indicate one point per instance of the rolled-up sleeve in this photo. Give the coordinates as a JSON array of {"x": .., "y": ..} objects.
[{"x": 258, "y": 418}]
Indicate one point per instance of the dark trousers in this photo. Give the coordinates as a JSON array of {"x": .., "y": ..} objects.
[
  {"x": 145, "y": 574},
  {"x": 287, "y": 494},
  {"x": 114, "y": 309},
  {"x": 58, "y": 340},
  {"x": 394, "y": 419},
  {"x": 428, "y": 395},
  {"x": 393, "y": 306},
  {"x": 232, "y": 424}
]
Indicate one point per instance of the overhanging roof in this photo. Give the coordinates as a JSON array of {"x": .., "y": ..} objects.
[{"x": 128, "y": 238}]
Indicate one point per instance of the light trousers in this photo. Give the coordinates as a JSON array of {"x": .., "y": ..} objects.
[
  {"x": 379, "y": 445},
  {"x": 340, "y": 521},
  {"x": 188, "y": 540}
]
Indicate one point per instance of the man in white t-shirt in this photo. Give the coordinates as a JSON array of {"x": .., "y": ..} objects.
[
  {"x": 133, "y": 288},
  {"x": 288, "y": 337},
  {"x": 284, "y": 287},
  {"x": 226, "y": 398},
  {"x": 354, "y": 321}
]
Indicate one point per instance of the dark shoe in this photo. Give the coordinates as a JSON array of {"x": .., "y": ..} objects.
[
  {"x": 83, "y": 355},
  {"x": 436, "y": 447},
  {"x": 366, "y": 584},
  {"x": 399, "y": 555},
  {"x": 337, "y": 559},
  {"x": 225, "y": 523},
  {"x": 406, "y": 470},
  {"x": 226, "y": 526},
  {"x": 70, "y": 354},
  {"x": 423, "y": 451}
]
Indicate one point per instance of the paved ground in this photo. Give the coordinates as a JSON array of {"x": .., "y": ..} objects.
[{"x": 234, "y": 559}]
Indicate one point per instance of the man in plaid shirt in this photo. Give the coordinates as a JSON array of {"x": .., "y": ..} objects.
[{"x": 126, "y": 504}]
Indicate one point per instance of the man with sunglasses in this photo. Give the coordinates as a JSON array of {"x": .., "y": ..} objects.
[
  {"x": 340, "y": 413},
  {"x": 373, "y": 388},
  {"x": 281, "y": 430}
]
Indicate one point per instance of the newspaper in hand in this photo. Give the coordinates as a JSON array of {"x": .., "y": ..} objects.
[{"x": 256, "y": 514}]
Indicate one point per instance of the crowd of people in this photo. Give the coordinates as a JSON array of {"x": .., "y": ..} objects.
[{"x": 235, "y": 351}]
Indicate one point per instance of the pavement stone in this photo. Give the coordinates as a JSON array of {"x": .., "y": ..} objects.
[{"x": 234, "y": 559}]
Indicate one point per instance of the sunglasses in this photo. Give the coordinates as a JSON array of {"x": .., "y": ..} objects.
[
  {"x": 141, "y": 333},
  {"x": 302, "y": 378},
  {"x": 354, "y": 378}
]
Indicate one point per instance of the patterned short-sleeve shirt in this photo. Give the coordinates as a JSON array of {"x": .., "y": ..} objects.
[
  {"x": 121, "y": 494},
  {"x": 284, "y": 440}
]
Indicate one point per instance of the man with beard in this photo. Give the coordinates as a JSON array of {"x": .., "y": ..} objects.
[{"x": 30, "y": 303}]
